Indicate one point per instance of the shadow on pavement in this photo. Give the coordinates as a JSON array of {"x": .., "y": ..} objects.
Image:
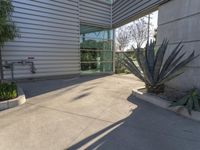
[
  {"x": 147, "y": 128},
  {"x": 36, "y": 88}
]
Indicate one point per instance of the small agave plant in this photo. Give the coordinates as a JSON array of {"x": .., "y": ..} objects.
[
  {"x": 191, "y": 101},
  {"x": 153, "y": 70}
]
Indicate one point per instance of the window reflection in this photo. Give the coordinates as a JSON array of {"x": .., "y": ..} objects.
[{"x": 96, "y": 50}]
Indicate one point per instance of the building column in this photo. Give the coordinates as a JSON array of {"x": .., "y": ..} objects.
[{"x": 180, "y": 21}]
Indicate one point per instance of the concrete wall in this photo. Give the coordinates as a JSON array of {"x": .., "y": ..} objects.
[{"x": 179, "y": 20}]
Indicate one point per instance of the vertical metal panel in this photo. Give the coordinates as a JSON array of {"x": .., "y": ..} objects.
[
  {"x": 95, "y": 12},
  {"x": 50, "y": 33},
  {"x": 125, "y": 11}
]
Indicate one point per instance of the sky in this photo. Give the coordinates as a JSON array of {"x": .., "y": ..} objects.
[
  {"x": 154, "y": 19},
  {"x": 154, "y": 22}
]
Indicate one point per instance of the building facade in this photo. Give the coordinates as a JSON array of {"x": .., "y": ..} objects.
[
  {"x": 60, "y": 38},
  {"x": 67, "y": 37}
]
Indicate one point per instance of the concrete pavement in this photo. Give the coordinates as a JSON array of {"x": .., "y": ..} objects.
[{"x": 93, "y": 113}]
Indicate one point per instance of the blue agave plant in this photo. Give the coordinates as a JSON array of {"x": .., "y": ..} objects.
[
  {"x": 153, "y": 70},
  {"x": 191, "y": 101}
]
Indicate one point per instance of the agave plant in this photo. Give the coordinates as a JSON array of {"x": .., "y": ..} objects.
[
  {"x": 154, "y": 68},
  {"x": 191, "y": 101}
]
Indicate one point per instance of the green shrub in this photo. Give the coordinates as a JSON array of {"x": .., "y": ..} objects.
[{"x": 8, "y": 91}]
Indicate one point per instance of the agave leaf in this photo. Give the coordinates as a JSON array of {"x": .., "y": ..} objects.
[
  {"x": 150, "y": 56},
  {"x": 146, "y": 71},
  {"x": 144, "y": 66},
  {"x": 196, "y": 103},
  {"x": 130, "y": 60},
  {"x": 190, "y": 101},
  {"x": 132, "y": 64},
  {"x": 153, "y": 70},
  {"x": 170, "y": 77},
  {"x": 189, "y": 105},
  {"x": 133, "y": 72},
  {"x": 159, "y": 59},
  {"x": 181, "y": 64},
  {"x": 132, "y": 68},
  {"x": 169, "y": 61},
  {"x": 167, "y": 72},
  {"x": 180, "y": 102},
  {"x": 137, "y": 53},
  {"x": 174, "y": 63}
]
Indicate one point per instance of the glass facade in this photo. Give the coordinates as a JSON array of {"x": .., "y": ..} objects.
[{"x": 96, "y": 50}]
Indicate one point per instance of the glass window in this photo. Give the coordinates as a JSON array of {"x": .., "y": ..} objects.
[
  {"x": 87, "y": 56},
  {"x": 96, "y": 50},
  {"x": 101, "y": 67}
]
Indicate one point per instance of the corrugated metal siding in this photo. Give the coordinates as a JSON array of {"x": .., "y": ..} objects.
[
  {"x": 50, "y": 33},
  {"x": 125, "y": 11},
  {"x": 95, "y": 12}
]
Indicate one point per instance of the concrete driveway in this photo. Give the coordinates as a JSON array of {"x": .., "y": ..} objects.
[{"x": 93, "y": 113}]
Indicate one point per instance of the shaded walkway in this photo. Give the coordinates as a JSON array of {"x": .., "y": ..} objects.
[
  {"x": 147, "y": 128},
  {"x": 93, "y": 113}
]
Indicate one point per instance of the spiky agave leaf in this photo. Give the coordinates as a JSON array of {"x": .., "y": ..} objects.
[
  {"x": 144, "y": 66},
  {"x": 189, "y": 105},
  {"x": 169, "y": 61},
  {"x": 182, "y": 102},
  {"x": 196, "y": 103},
  {"x": 150, "y": 56},
  {"x": 172, "y": 65},
  {"x": 170, "y": 77},
  {"x": 152, "y": 70},
  {"x": 191, "y": 101},
  {"x": 137, "y": 53},
  {"x": 180, "y": 65},
  {"x": 132, "y": 68},
  {"x": 159, "y": 59}
]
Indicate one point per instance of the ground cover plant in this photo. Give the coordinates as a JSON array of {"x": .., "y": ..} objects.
[
  {"x": 8, "y": 91},
  {"x": 191, "y": 101}
]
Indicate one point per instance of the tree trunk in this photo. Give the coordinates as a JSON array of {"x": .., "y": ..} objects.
[{"x": 1, "y": 67}]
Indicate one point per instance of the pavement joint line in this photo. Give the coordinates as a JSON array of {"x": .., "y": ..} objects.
[
  {"x": 74, "y": 139},
  {"x": 63, "y": 111},
  {"x": 97, "y": 119},
  {"x": 93, "y": 121}
]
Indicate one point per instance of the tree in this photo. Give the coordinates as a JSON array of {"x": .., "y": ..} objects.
[
  {"x": 8, "y": 30},
  {"x": 123, "y": 38},
  {"x": 135, "y": 33},
  {"x": 140, "y": 30}
]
